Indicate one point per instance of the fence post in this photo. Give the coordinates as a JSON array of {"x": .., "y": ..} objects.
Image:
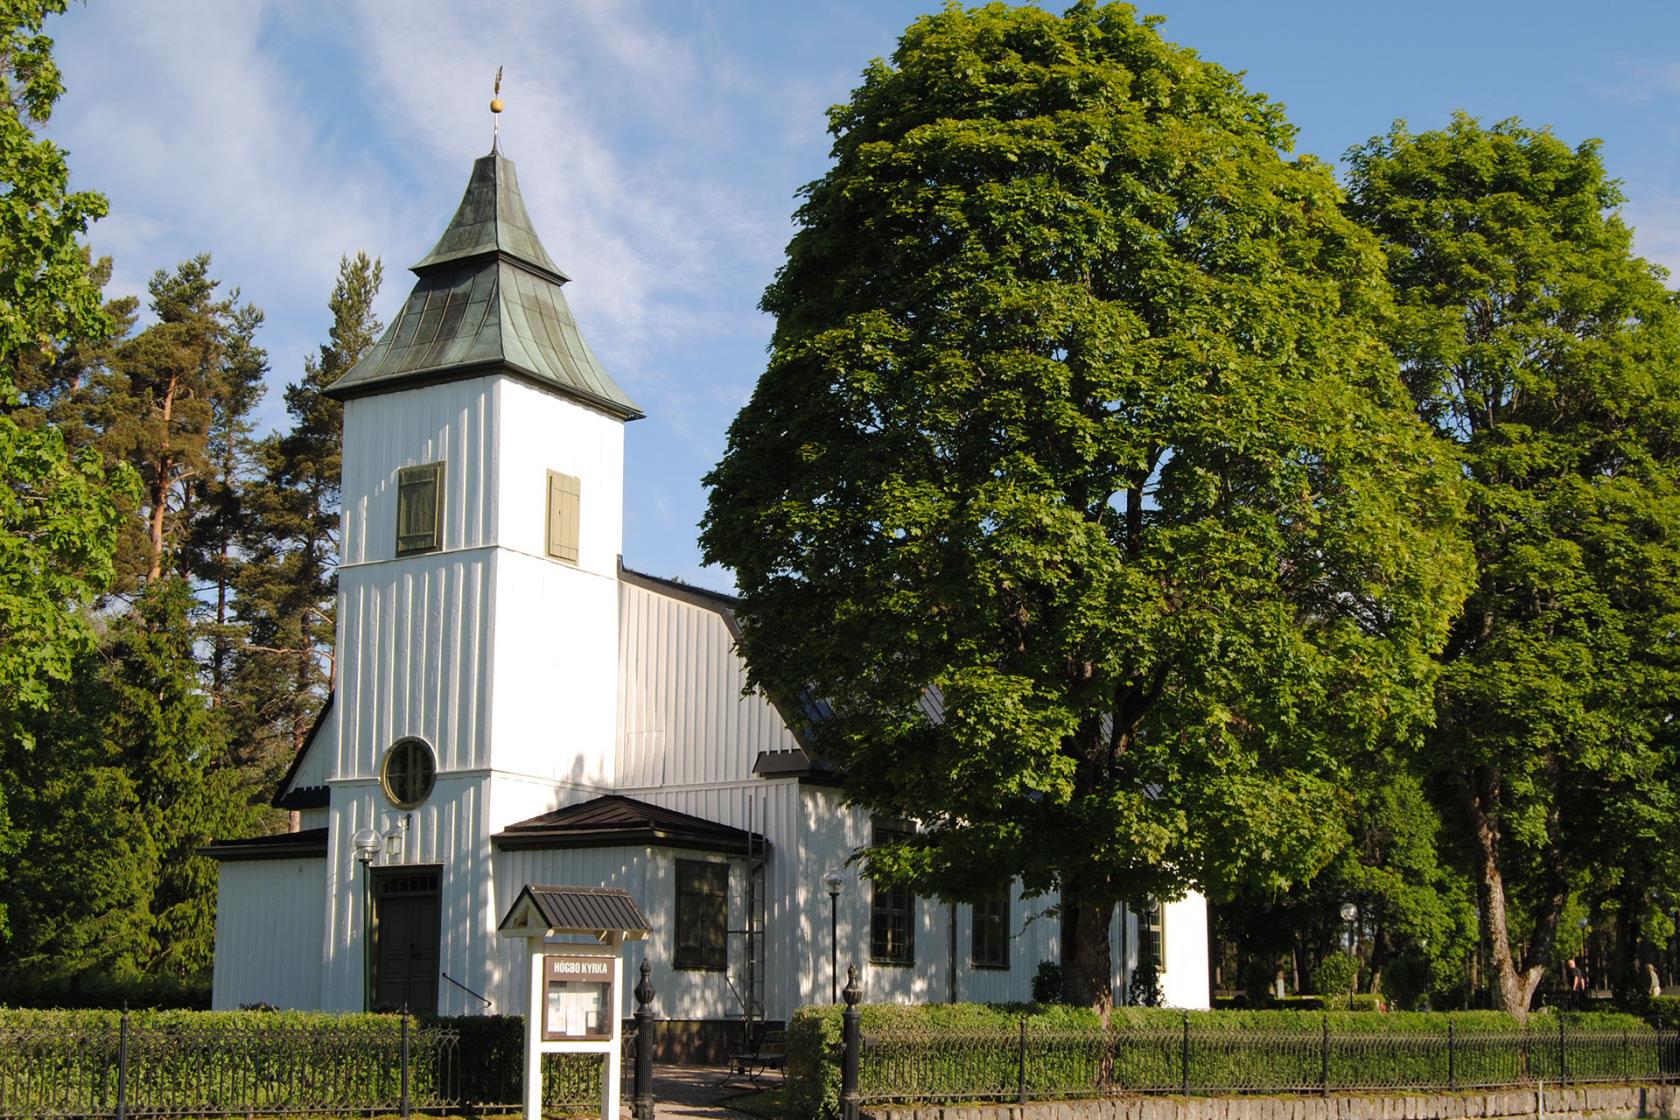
[
  {"x": 402, "y": 1106},
  {"x": 1021, "y": 1064},
  {"x": 643, "y": 1092},
  {"x": 1184, "y": 1056},
  {"x": 1324, "y": 1060},
  {"x": 1452, "y": 1071},
  {"x": 1563, "y": 1063},
  {"x": 122, "y": 1064},
  {"x": 852, "y": 1038}
]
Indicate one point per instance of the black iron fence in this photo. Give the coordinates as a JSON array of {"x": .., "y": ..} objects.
[
  {"x": 96, "y": 1067},
  {"x": 132, "y": 1070},
  {"x": 1028, "y": 1063}
]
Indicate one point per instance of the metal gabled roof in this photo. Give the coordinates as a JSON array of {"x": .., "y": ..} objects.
[
  {"x": 588, "y": 910},
  {"x": 487, "y": 300}
]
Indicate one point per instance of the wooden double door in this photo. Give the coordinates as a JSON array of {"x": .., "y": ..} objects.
[{"x": 406, "y": 930}]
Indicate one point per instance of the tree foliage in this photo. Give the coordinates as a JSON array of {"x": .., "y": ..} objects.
[
  {"x": 289, "y": 586},
  {"x": 1546, "y": 356},
  {"x": 57, "y": 516},
  {"x": 1076, "y": 427}
]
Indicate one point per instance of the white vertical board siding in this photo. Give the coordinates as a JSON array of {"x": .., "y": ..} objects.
[
  {"x": 319, "y": 754},
  {"x": 772, "y": 809},
  {"x": 447, "y": 830},
  {"x": 414, "y": 659},
  {"x": 626, "y": 868},
  {"x": 682, "y": 716},
  {"x": 268, "y": 933},
  {"x": 1184, "y": 982},
  {"x": 452, "y": 423},
  {"x": 541, "y": 432},
  {"x": 554, "y": 705}
]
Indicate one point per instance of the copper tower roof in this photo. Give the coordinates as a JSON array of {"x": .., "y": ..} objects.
[{"x": 487, "y": 300}]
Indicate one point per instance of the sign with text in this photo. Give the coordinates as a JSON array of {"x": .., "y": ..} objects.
[{"x": 577, "y": 997}]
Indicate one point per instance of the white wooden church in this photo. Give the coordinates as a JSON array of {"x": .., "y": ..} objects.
[{"x": 514, "y": 706}]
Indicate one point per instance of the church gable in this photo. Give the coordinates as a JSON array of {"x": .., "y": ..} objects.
[
  {"x": 305, "y": 783},
  {"x": 683, "y": 718}
]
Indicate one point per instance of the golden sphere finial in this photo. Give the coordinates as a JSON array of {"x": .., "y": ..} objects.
[
  {"x": 496, "y": 101},
  {"x": 495, "y": 104}
]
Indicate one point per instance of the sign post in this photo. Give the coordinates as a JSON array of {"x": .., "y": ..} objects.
[{"x": 576, "y": 986}]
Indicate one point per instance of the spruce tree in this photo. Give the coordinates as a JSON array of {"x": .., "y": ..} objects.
[{"x": 160, "y": 725}]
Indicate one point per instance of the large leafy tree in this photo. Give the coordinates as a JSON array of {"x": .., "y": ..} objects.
[
  {"x": 1075, "y": 417},
  {"x": 1547, "y": 358},
  {"x": 57, "y": 514}
]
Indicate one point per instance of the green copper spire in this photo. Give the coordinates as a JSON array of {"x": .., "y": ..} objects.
[{"x": 488, "y": 300}]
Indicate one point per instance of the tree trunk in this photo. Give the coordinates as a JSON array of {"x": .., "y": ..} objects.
[
  {"x": 1512, "y": 987},
  {"x": 160, "y": 485},
  {"x": 1087, "y": 967}
]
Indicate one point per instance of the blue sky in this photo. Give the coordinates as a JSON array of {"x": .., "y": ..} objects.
[{"x": 659, "y": 146}]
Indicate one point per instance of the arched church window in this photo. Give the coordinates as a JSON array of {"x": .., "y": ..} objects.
[{"x": 408, "y": 773}]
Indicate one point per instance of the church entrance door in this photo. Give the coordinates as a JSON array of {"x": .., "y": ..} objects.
[{"x": 405, "y": 939}]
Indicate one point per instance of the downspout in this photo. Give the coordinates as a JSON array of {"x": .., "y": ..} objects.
[
  {"x": 1125, "y": 955},
  {"x": 951, "y": 923}
]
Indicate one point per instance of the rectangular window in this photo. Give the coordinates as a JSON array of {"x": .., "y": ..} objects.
[
  {"x": 991, "y": 933},
  {"x": 564, "y": 494},
  {"x": 1152, "y": 940},
  {"x": 702, "y": 915},
  {"x": 892, "y": 914},
  {"x": 419, "y": 509}
]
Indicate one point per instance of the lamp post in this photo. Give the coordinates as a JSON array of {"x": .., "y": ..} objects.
[
  {"x": 832, "y": 882},
  {"x": 366, "y": 842},
  {"x": 1350, "y": 915}
]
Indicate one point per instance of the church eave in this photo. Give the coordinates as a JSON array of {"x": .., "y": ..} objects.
[
  {"x": 464, "y": 370},
  {"x": 542, "y": 839}
]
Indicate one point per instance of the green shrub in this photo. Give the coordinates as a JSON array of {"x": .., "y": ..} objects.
[
  {"x": 975, "y": 1057},
  {"x": 1336, "y": 975},
  {"x": 355, "y": 1059},
  {"x": 1663, "y": 1012},
  {"x": 1047, "y": 983}
]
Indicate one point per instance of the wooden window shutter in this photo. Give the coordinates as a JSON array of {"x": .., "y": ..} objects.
[
  {"x": 419, "y": 508},
  {"x": 564, "y": 495}
]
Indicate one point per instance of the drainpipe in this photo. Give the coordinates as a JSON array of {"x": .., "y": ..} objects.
[
  {"x": 951, "y": 922},
  {"x": 1125, "y": 956}
]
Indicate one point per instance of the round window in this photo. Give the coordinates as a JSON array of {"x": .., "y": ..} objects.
[{"x": 409, "y": 772}]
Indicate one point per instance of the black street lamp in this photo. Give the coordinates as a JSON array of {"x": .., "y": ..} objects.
[
  {"x": 366, "y": 842},
  {"x": 832, "y": 882},
  {"x": 1350, "y": 915}
]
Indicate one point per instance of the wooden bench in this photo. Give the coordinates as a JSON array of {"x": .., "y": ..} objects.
[{"x": 765, "y": 1049}]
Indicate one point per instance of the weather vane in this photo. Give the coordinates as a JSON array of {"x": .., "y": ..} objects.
[{"x": 495, "y": 113}]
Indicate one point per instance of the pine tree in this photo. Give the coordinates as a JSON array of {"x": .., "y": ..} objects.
[
  {"x": 220, "y": 498},
  {"x": 289, "y": 586},
  {"x": 175, "y": 378}
]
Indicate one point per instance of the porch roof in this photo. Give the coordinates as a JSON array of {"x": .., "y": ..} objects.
[{"x": 614, "y": 820}]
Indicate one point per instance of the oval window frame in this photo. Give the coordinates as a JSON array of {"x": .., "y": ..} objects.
[{"x": 385, "y": 783}]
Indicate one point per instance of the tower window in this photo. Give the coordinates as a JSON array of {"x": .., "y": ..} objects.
[
  {"x": 564, "y": 493},
  {"x": 419, "y": 509},
  {"x": 408, "y": 773},
  {"x": 702, "y": 915}
]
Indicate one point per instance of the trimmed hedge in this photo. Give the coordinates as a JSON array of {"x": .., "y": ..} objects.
[
  {"x": 965, "y": 1071},
  {"x": 247, "y": 1060}
]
